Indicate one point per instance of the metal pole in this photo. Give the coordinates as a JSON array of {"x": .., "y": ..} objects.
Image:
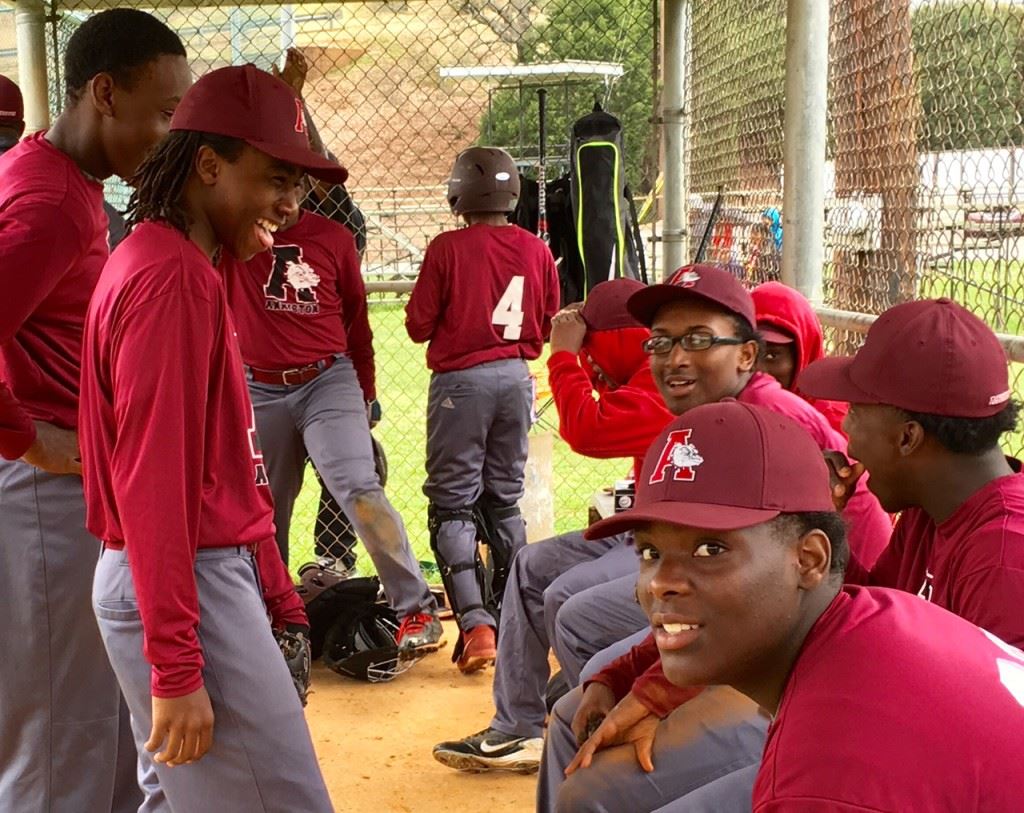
[
  {"x": 30, "y": 20},
  {"x": 675, "y": 124},
  {"x": 804, "y": 132},
  {"x": 287, "y": 27}
]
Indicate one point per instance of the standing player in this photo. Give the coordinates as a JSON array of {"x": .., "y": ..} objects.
[
  {"x": 175, "y": 483},
  {"x": 63, "y": 728},
  {"x": 484, "y": 300},
  {"x": 308, "y": 349},
  {"x": 741, "y": 571}
]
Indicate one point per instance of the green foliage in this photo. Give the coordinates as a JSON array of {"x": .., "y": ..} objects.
[
  {"x": 970, "y": 73},
  {"x": 594, "y": 30}
]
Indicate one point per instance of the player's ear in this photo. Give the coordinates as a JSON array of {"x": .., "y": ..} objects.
[
  {"x": 100, "y": 90},
  {"x": 207, "y": 165},
  {"x": 814, "y": 558}
]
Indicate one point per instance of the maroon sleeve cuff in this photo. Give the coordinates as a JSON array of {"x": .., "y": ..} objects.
[{"x": 659, "y": 695}]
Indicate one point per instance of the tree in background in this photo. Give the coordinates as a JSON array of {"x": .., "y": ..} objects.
[
  {"x": 595, "y": 30},
  {"x": 970, "y": 71}
]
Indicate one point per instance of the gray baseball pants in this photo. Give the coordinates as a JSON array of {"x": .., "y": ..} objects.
[
  {"x": 325, "y": 419},
  {"x": 563, "y": 575},
  {"x": 262, "y": 758},
  {"x": 706, "y": 755},
  {"x": 477, "y": 425},
  {"x": 65, "y": 737}
]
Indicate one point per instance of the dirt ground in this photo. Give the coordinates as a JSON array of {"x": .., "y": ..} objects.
[{"x": 374, "y": 741}]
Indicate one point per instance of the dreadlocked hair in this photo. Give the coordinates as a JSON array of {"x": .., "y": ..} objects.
[{"x": 160, "y": 181}]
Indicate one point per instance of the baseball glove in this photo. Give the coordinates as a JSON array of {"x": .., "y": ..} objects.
[{"x": 295, "y": 648}]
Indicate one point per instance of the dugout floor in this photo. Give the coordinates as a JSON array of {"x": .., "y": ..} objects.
[{"x": 374, "y": 741}]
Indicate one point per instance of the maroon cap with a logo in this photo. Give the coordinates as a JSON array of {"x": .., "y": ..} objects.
[
  {"x": 249, "y": 104},
  {"x": 931, "y": 356},
  {"x": 707, "y": 282},
  {"x": 605, "y": 308},
  {"x": 12, "y": 107},
  {"x": 723, "y": 466}
]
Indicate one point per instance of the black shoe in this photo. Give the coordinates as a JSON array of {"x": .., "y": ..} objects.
[{"x": 491, "y": 750}]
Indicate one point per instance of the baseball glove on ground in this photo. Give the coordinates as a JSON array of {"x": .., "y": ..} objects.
[{"x": 295, "y": 648}]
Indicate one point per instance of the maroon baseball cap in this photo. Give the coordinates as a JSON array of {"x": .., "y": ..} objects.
[
  {"x": 774, "y": 334},
  {"x": 723, "y": 466},
  {"x": 931, "y": 355},
  {"x": 708, "y": 282},
  {"x": 605, "y": 308},
  {"x": 249, "y": 104},
  {"x": 12, "y": 106}
]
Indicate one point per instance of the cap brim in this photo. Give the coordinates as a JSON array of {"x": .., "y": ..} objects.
[
  {"x": 315, "y": 165},
  {"x": 830, "y": 379},
  {"x": 645, "y": 304},
  {"x": 774, "y": 335},
  {"x": 693, "y": 515}
]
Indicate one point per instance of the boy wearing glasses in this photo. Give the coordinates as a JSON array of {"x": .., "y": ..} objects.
[{"x": 703, "y": 348}]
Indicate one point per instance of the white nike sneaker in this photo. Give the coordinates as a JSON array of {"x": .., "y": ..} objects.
[{"x": 491, "y": 750}]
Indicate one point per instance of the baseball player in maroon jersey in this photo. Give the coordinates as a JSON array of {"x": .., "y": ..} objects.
[
  {"x": 484, "y": 300},
  {"x": 929, "y": 397},
  {"x": 175, "y": 483},
  {"x": 306, "y": 342},
  {"x": 879, "y": 701},
  {"x": 65, "y": 742}
]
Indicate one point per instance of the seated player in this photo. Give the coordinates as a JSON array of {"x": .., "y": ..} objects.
[
  {"x": 929, "y": 397},
  {"x": 879, "y": 701},
  {"x": 960, "y": 539},
  {"x": 597, "y": 351},
  {"x": 697, "y": 324},
  {"x": 792, "y": 339}
]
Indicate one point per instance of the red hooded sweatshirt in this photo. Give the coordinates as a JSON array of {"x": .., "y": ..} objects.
[
  {"x": 628, "y": 413},
  {"x": 787, "y": 309}
]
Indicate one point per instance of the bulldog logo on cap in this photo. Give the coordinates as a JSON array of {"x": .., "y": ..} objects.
[
  {"x": 681, "y": 455},
  {"x": 688, "y": 279}
]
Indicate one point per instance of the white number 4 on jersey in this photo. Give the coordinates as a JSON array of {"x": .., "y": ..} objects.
[{"x": 509, "y": 310}]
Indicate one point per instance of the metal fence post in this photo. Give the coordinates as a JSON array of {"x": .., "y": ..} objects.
[
  {"x": 804, "y": 133},
  {"x": 675, "y": 123},
  {"x": 30, "y": 19}
]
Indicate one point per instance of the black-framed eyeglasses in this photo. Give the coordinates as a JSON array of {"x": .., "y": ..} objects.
[{"x": 695, "y": 341}]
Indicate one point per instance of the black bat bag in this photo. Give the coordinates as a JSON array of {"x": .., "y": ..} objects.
[{"x": 607, "y": 235}]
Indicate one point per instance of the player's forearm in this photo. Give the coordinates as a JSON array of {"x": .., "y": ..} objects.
[{"x": 282, "y": 601}]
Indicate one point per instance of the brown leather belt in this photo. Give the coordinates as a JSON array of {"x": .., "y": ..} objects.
[{"x": 293, "y": 377}]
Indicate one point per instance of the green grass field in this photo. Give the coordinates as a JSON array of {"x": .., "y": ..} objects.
[{"x": 402, "y": 379}]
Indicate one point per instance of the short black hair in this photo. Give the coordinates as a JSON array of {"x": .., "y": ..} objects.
[
  {"x": 968, "y": 436},
  {"x": 746, "y": 332},
  {"x": 829, "y": 523},
  {"x": 118, "y": 42}
]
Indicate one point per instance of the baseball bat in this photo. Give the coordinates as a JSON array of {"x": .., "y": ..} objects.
[
  {"x": 706, "y": 237},
  {"x": 542, "y": 187}
]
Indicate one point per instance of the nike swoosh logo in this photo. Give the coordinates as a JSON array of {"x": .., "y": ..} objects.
[{"x": 487, "y": 748}]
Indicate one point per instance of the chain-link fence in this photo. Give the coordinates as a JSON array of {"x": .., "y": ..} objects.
[
  {"x": 925, "y": 166},
  {"x": 396, "y": 89},
  {"x": 924, "y": 175}
]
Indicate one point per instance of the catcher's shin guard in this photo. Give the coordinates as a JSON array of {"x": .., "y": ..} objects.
[
  {"x": 436, "y": 519},
  {"x": 502, "y": 529}
]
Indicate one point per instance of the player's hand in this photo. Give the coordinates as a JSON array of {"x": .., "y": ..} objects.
[
  {"x": 629, "y": 722},
  {"x": 568, "y": 330},
  {"x": 183, "y": 726},
  {"x": 374, "y": 412},
  {"x": 597, "y": 701},
  {"x": 294, "y": 71},
  {"x": 54, "y": 450},
  {"x": 843, "y": 475}
]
